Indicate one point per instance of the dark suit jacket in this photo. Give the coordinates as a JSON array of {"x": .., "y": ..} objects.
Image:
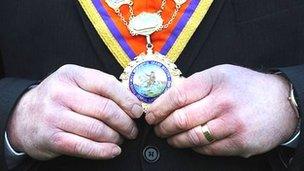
[{"x": 37, "y": 37}]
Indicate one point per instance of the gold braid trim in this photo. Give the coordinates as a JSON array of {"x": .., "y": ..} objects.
[
  {"x": 122, "y": 58},
  {"x": 196, "y": 18},
  {"x": 104, "y": 32}
]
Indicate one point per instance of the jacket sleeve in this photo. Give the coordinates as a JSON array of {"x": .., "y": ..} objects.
[
  {"x": 295, "y": 75},
  {"x": 11, "y": 89}
]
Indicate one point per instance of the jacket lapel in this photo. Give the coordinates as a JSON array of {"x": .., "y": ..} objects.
[
  {"x": 197, "y": 41},
  {"x": 186, "y": 58},
  {"x": 109, "y": 63}
]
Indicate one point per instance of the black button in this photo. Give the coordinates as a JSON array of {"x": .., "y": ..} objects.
[{"x": 151, "y": 154}]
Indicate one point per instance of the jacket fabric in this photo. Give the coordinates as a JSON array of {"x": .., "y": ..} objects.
[{"x": 37, "y": 37}]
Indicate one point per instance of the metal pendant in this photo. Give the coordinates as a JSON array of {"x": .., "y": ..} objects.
[
  {"x": 145, "y": 24},
  {"x": 116, "y": 4},
  {"x": 179, "y": 2},
  {"x": 149, "y": 76}
]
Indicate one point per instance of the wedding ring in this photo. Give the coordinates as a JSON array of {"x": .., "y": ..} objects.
[{"x": 207, "y": 133}]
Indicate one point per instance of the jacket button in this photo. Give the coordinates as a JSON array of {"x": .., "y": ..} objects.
[{"x": 151, "y": 154}]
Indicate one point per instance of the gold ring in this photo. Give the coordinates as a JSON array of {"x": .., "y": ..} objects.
[{"x": 207, "y": 133}]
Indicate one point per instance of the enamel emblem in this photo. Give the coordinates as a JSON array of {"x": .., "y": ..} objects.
[
  {"x": 145, "y": 24},
  {"x": 149, "y": 76}
]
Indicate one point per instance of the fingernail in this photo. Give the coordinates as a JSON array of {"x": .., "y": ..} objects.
[
  {"x": 137, "y": 110},
  {"x": 116, "y": 151},
  {"x": 150, "y": 118},
  {"x": 169, "y": 141}
]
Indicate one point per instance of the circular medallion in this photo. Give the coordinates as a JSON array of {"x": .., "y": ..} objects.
[
  {"x": 150, "y": 75},
  {"x": 149, "y": 79}
]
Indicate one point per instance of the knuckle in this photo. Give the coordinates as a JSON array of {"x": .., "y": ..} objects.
[
  {"x": 238, "y": 124},
  {"x": 115, "y": 137},
  {"x": 221, "y": 73},
  {"x": 67, "y": 73},
  {"x": 81, "y": 148},
  {"x": 50, "y": 118},
  {"x": 66, "y": 68},
  {"x": 56, "y": 94},
  {"x": 245, "y": 152},
  {"x": 219, "y": 124},
  {"x": 57, "y": 140},
  {"x": 197, "y": 76},
  {"x": 223, "y": 69},
  {"x": 181, "y": 120},
  {"x": 226, "y": 104},
  {"x": 241, "y": 144},
  {"x": 107, "y": 82},
  {"x": 211, "y": 150},
  {"x": 194, "y": 137},
  {"x": 161, "y": 129},
  {"x": 107, "y": 112},
  {"x": 56, "y": 91},
  {"x": 95, "y": 129},
  {"x": 130, "y": 128},
  {"x": 173, "y": 141},
  {"x": 225, "y": 66},
  {"x": 214, "y": 151},
  {"x": 113, "y": 116},
  {"x": 232, "y": 122},
  {"x": 104, "y": 152},
  {"x": 110, "y": 80},
  {"x": 128, "y": 103},
  {"x": 179, "y": 98}
]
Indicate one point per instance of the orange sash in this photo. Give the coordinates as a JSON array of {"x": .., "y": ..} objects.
[{"x": 169, "y": 42}]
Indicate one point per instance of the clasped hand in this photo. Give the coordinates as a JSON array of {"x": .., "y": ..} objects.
[
  {"x": 86, "y": 113},
  {"x": 75, "y": 111},
  {"x": 247, "y": 112}
]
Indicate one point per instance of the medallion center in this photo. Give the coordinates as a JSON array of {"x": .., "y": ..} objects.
[{"x": 149, "y": 79}]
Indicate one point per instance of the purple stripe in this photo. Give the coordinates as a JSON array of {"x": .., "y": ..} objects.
[
  {"x": 120, "y": 39},
  {"x": 180, "y": 26}
]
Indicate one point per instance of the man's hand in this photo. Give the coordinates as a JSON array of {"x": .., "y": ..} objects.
[
  {"x": 75, "y": 111},
  {"x": 247, "y": 112}
]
